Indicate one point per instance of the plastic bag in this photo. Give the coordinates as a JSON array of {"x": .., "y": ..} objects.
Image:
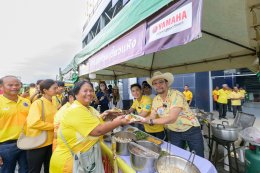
[{"x": 251, "y": 134}]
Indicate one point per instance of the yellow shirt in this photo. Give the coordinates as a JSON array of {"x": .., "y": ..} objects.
[
  {"x": 145, "y": 105},
  {"x": 243, "y": 92},
  {"x": 236, "y": 95},
  {"x": 76, "y": 124},
  {"x": 57, "y": 100},
  {"x": 12, "y": 117},
  {"x": 188, "y": 95},
  {"x": 58, "y": 116},
  {"x": 223, "y": 96},
  {"x": 35, "y": 124},
  {"x": 186, "y": 119},
  {"x": 32, "y": 91},
  {"x": 215, "y": 95}
]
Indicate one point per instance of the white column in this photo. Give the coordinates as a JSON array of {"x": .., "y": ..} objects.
[{"x": 210, "y": 93}]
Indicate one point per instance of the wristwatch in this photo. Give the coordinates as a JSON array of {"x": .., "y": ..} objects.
[{"x": 151, "y": 122}]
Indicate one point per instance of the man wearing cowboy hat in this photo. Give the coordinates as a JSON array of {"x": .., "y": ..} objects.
[{"x": 174, "y": 112}]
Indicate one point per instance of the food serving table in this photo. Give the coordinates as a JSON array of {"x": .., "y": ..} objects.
[{"x": 204, "y": 165}]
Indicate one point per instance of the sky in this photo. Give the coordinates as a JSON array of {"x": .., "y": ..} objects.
[{"x": 39, "y": 36}]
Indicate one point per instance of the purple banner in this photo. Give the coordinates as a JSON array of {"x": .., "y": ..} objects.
[
  {"x": 177, "y": 25},
  {"x": 128, "y": 47}
]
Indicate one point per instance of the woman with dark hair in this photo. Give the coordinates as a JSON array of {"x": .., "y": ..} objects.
[
  {"x": 115, "y": 101},
  {"x": 35, "y": 125},
  {"x": 66, "y": 102},
  {"x": 102, "y": 97},
  {"x": 79, "y": 134},
  {"x": 37, "y": 94}
]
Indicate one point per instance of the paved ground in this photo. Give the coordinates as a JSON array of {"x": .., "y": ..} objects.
[{"x": 251, "y": 108}]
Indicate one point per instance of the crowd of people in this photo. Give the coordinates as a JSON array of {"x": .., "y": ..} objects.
[
  {"x": 227, "y": 98},
  {"x": 75, "y": 120}
]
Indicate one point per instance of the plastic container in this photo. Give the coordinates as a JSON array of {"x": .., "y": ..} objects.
[{"x": 252, "y": 158}]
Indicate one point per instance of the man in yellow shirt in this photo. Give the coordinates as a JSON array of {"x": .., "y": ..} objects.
[
  {"x": 229, "y": 106},
  {"x": 143, "y": 105},
  {"x": 13, "y": 112},
  {"x": 174, "y": 113},
  {"x": 188, "y": 94},
  {"x": 215, "y": 97},
  {"x": 236, "y": 98},
  {"x": 223, "y": 101},
  {"x": 243, "y": 93},
  {"x": 59, "y": 97}
]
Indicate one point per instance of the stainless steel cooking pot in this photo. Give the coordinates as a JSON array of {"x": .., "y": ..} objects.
[
  {"x": 225, "y": 132},
  {"x": 169, "y": 164},
  {"x": 122, "y": 147},
  {"x": 141, "y": 162}
]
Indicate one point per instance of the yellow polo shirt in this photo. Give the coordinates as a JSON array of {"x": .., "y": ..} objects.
[
  {"x": 188, "y": 95},
  {"x": 35, "y": 124},
  {"x": 12, "y": 117},
  {"x": 32, "y": 91},
  {"x": 76, "y": 124},
  {"x": 146, "y": 105},
  {"x": 215, "y": 95},
  {"x": 58, "y": 116},
  {"x": 57, "y": 100},
  {"x": 243, "y": 92},
  {"x": 186, "y": 119},
  {"x": 223, "y": 96},
  {"x": 236, "y": 95}
]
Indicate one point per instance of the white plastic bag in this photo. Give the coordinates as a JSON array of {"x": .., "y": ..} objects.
[{"x": 251, "y": 134}]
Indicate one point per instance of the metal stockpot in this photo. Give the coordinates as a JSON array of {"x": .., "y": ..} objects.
[
  {"x": 141, "y": 163},
  {"x": 122, "y": 148},
  {"x": 165, "y": 164},
  {"x": 225, "y": 132}
]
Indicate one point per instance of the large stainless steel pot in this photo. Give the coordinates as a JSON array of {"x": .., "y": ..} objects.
[
  {"x": 122, "y": 147},
  {"x": 169, "y": 164},
  {"x": 140, "y": 162},
  {"x": 225, "y": 132}
]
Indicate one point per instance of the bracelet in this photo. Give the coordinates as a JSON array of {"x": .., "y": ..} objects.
[{"x": 151, "y": 122}]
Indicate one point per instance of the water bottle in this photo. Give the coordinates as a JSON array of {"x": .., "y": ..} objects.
[{"x": 99, "y": 108}]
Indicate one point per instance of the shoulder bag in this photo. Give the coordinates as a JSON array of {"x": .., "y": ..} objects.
[
  {"x": 87, "y": 162},
  {"x": 26, "y": 142}
]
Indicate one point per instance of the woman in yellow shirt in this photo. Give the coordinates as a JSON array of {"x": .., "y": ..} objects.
[
  {"x": 79, "y": 133},
  {"x": 35, "y": 124},
  {"x": 65, "y": 104}
]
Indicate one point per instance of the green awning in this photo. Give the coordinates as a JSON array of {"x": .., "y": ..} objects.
[{"x": 132, "y": 14}]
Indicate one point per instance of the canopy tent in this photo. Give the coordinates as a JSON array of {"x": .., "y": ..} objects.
[
  {"x": 230, "y": 39},
  {"x": 132, "y": 14}
]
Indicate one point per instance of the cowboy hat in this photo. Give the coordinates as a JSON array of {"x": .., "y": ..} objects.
[
  {"x": 158, "y": 75},
  {"x": 115, "y": 87}
]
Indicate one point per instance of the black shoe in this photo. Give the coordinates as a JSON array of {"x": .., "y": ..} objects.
[
  {"x": 224, "y": 118},
  {"x": 219, "y": 118}
]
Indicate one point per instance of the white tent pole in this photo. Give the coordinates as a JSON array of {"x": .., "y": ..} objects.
[{"x": 210, "y": 93}]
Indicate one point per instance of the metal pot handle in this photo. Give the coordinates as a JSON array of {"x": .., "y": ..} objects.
[
  {"x": 218, "y": 126},
  {"x": 227, "y": 123},
  {"x": 192, "y": 153}
]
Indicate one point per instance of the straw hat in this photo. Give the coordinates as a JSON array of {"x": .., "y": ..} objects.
[
  {"x": 158, "y": 75},
  {"x": 115, "y": 87}
]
